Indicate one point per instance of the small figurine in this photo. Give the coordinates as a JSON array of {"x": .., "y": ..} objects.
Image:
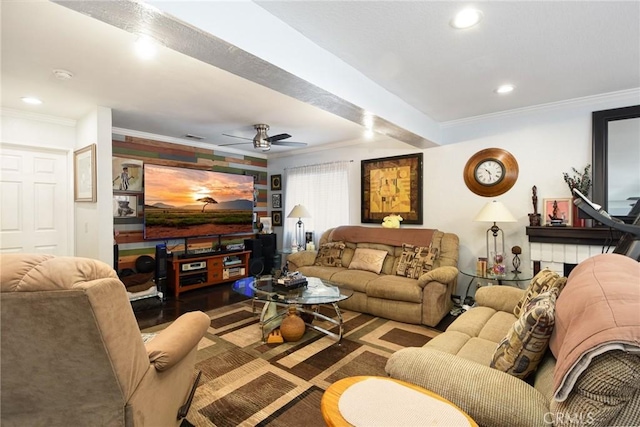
[
  {"x": 516, "y": 250},
  {"x": 391, "y": 221},
  {"x": 534, "y": 218}
]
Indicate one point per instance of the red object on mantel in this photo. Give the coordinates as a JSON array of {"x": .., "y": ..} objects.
[{"x": 576, "y": 220}]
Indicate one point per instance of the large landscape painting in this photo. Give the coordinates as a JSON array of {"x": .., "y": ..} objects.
[{"x": 180, "y": 202}]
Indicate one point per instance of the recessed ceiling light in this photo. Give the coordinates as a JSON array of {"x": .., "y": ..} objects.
[
  {"x": 62, "y": 74},
  {"x": 31, "y": 100},
  {"x": 466, "y": 18},
  {"x": 146, "y": 47},
  {"x": 505, "y": 89}
]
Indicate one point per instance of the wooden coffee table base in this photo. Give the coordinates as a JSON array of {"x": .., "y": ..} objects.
[{"x": 331, "y": 397}]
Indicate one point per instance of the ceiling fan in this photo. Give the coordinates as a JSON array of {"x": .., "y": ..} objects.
[{"x": 263, "y": 141}]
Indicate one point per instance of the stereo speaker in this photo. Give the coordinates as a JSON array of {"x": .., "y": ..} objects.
[
  {"x": 269, "y": 250},
  {"x": 255, "y": 246},
  {"x": 161, "y": 268},
  {"x": 256, "y": 266},
  {"x": 116, "y": 255}
]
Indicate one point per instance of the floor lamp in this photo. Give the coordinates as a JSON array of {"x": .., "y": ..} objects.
[
  {"x": 299, "y": 212},
  {"x": 495, "y": 212}
]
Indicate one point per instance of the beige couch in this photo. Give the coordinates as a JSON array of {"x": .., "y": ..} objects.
[
  {"x": 72, "y": 353},
  {"x": 598, "y": 307},
  {"x": 425, "y": 300}
]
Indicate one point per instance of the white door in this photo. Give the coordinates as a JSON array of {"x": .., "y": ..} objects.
[{"x": 35, "y": 201}]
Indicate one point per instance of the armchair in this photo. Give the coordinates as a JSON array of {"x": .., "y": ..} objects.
[{"x": 72, "y": 352}]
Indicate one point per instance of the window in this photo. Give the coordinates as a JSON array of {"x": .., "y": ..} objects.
[{"x": 324, "y": 190}]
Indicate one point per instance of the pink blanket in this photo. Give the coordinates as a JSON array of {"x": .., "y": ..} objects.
[{"x": 598, "y": 311}]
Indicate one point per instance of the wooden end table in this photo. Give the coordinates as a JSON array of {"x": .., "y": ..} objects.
[{"x": 331, "y": 397}]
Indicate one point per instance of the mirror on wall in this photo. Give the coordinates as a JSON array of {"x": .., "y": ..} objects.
[{"x": 616, "y": 160}]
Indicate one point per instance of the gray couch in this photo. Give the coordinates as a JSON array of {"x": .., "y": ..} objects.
[{"x": 425, "y": 300}]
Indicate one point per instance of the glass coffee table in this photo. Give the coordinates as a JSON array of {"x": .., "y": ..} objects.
[{"x": 307, "y": 300}]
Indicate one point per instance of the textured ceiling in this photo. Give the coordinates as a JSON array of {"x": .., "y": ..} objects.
[{"x": 406, "y": 55}]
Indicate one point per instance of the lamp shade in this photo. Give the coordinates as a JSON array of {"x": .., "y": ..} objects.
[
  {"x": 495, "y": 211},
  {"x": 299, "y": 211}
]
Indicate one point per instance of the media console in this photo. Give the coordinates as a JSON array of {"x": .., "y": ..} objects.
[{"x": 208, "y": 269}]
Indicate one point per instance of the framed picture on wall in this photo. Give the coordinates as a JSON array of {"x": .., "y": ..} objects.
[
  {"x": 125, "y": 206},
  {"x": 276, "y": 182},
  {"x": 559, "y": 208},
  {"x": 276, "y": 218},
  {"x": 276, "y": 201},
  {"x": 392, "y": 185},
  {"x": 126, "y": 174},
  {"x": 84, "y": 174}
]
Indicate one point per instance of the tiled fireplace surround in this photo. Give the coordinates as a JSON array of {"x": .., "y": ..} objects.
[{"x": 562, "y": 249}]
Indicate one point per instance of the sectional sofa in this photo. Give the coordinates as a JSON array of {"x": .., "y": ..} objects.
[{"x": 404, "y": 274}]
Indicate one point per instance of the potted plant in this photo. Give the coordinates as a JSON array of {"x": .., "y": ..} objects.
[{"x": 581, "y": 181}]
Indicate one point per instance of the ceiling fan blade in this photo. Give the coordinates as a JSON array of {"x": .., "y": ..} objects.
[
  {"x": 239, "y": 137},
  {"x": 235, "y": 143},
  {"x": 278, "y": 137},
  {"x": 290, "y": 143}
]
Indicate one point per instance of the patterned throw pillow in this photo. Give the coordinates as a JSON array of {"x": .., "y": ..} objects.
[
  {"x": 542, "y": 282},
  {"x": 416, "y": 260},
  {"x": 330, "y": 254},
  {"x": 520, "y": 352},
  {"x": 368, "y": 260}
]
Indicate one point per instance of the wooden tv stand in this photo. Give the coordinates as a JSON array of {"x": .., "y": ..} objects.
[{"x": 208, "y": 269}]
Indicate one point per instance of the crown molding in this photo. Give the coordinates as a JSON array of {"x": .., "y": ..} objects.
[
  {"x": 28, "y": 115},
  {"x": 623, "y": 95}
]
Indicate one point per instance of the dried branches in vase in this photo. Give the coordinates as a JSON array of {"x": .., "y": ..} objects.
[{"x": 582, "y": 182}]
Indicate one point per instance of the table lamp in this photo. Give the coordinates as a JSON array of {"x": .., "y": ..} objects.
[
  {"x": 299, "y": 212},
  {"x": 495, "y": 212}
]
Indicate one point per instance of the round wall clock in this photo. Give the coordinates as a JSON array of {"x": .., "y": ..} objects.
[{"x": 491, "y": 172}]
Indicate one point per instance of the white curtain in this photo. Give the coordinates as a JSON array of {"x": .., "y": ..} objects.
[{"x": 324, "y": 190}]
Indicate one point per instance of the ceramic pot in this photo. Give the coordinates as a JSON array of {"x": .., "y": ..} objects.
[{"x": 292, "y": 327}]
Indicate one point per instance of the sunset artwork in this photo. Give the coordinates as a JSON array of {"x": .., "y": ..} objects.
[{"x": 180, "y": 202}]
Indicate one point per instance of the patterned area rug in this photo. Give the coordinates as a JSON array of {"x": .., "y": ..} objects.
[{"x": 247, "y": 383}]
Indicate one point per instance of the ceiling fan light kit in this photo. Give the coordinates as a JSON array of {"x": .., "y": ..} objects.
[{"x": 263, "y": 142}]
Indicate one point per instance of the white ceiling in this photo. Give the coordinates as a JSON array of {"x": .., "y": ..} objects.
[{"x": 405, "y": 54}]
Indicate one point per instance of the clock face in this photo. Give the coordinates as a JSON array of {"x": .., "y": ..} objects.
[{"x": 489, "y": 172}]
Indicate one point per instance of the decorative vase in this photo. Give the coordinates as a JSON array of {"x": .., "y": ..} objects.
[
  {"x": 292, "y": 327},
  {"x": 576, "y": 221},
  {"x": 498, "y": 268}
]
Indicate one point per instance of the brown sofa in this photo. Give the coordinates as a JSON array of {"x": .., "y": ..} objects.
[
  {"x": 597, "y": 328},
  {"x": 72, "y": 353},
  {"x": 425, "y": 300}
]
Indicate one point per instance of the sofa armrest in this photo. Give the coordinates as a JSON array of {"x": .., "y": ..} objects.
[
  {"x": 445, "y": 275},
  {"x": 500, "y": 298},
  {"x": 301, "y": 259},
  {"x": 177, "y": 340},
  {"x": 489, "y": 396}
]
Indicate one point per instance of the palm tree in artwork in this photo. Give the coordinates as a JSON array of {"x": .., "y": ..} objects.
[{"x": 206, "y": 201}]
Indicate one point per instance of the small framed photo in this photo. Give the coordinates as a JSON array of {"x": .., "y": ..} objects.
[
  {"x": 276, "y": 182},
  {"x": 557, "y": 211},
  {"x": 84, "y": 174},
  {"x": 125, "y": 206},
  {"x": 126, "y": 174},
  {"x": 276, "y": 201},
  {"x": 276, "y": 218},
  {"x": 266, "y": 224}
]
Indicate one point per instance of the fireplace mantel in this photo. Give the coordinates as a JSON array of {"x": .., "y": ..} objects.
[{"x": 574, "y": 235}]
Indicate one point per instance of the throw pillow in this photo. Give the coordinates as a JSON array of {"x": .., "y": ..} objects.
[
  {"x": 541, "y": 282},
  {"x": 368, "y": 260},
  {"x": 330, "y": 254},
  {"x": 416, "y": 260},
  {"x": 520, "y": 352}
]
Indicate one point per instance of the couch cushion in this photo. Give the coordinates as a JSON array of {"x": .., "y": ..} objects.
[
  {"x": 472, "y": 321},
  {"x": 356, "y": 280},
  {"x": 416, "y": 260},
  {"x": 478, "y": 350},
  {"x": 368, "y": 260},
  {"x": 330, "y": 254},
  {"x": 450, "y": 342},
  {"x": 541, "y": 282},
  {"x": 395, "y": 288},
  {"x": 497, "y": 327},
  {"x": 320, "y": 272},
  {"x": 526, "y": 342}
]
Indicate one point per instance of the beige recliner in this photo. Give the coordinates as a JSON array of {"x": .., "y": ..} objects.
[{"x": 72, "y": 352}]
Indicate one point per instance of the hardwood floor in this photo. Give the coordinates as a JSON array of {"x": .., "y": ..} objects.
[{"x": 171, "y": 308}]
